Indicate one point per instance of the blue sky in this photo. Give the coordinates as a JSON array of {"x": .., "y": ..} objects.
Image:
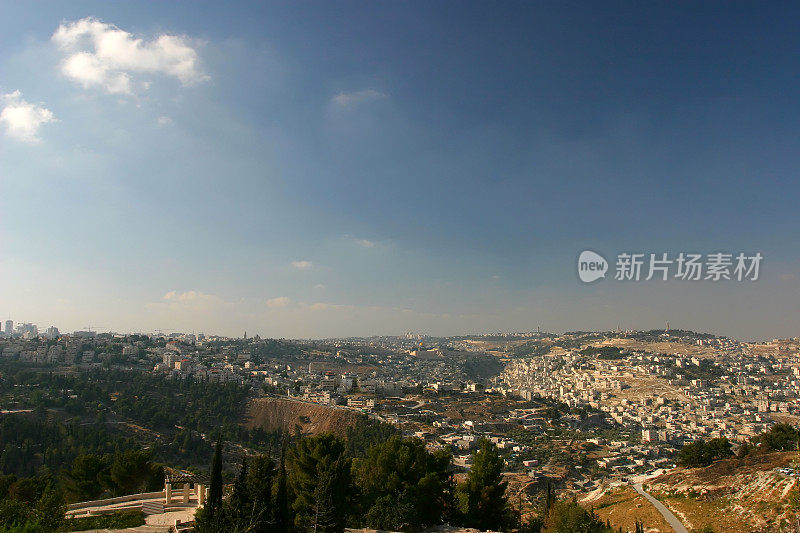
[{"x": 313, "y": 169}]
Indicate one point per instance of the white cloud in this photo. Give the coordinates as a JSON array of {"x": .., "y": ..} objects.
[
  {"x": 322, "y": 306},
  {"x": 191, "y": 297},
  {"x": 164, "y": 121},
  {"x": 357, "y": 97},
  {"x": 21, "y": 119},
  {"x": 364, "y": 243},
  {"x": 100, "y": 54},
  {"x": 280, "y": 301},
  {"x": 302, "y": 265}
]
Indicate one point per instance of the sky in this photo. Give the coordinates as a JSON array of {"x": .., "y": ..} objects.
[{"x": 329, "y": 169}]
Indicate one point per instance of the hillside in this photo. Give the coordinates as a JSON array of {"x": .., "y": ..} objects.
[
  {"x": 731, "y": 495},
  {"x": 622, "y": 507},
  {"x": 280, "y": 414}
]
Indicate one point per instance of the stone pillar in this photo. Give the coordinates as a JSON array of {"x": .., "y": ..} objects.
[
  {"x": 185, "y": 493},
  {"x": 201, "y": 494},
  {"x": 168, "y": 493}
]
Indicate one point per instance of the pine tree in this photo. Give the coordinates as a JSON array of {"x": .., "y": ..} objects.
[
  {"x": 402, "y": 485},
  {"x": 281, "y": 512},
  {"x": 481, "y": 499},
  {"x": 215, "y": 490},
  {"x": 323, "y": 509},
  {"x": 260, "y": 477},
  {"x": 319, "y": 476}
]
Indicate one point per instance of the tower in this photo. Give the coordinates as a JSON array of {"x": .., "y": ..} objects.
[{"x": 9, "y": 327}]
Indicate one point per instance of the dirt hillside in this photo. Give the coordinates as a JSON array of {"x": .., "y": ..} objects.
[
  {"x": 279, "y": 414},
  {"x": 622, "y": 506},
  {"x": 732, "y": 495}
]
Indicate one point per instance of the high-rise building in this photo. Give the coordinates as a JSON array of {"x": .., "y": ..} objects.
[
  {"x": 52, "y": 332},
  {"x": 27, "y": 330},
  {"x": 9, "y": 327}
]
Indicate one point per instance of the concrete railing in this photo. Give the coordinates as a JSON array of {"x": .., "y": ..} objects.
[{"x": 118, "y": 499}]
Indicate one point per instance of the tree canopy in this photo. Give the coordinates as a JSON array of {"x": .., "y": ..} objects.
[
  {"x": 702, "y": 453},
  {"x": 403, "y": 486},
  {"x": 481, "y": 499}
]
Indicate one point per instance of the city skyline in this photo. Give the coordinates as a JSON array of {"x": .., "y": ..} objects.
[
  {"x": 317, "y": 170},
  {"x": 32, "y": 331}
]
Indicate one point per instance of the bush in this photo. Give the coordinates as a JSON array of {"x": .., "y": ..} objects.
[
  {"x": 118, "y": 520},
  {"x": 569, "y": 517}
]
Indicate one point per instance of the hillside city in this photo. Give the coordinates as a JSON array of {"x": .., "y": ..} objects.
[{"x": 581, "y": 411}]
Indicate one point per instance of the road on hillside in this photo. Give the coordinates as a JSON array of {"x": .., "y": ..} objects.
[{"x": 666, "y": 513}]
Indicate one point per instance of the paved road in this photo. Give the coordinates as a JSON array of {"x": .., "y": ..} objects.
[{"x": 666, "y": 513}]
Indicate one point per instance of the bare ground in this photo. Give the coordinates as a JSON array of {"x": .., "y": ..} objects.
[
  {"x": 279, "y": 414},
  {"x": 730, "y": 495}
]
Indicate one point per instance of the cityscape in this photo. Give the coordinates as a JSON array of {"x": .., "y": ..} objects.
[{"x": 587, "y": 412}]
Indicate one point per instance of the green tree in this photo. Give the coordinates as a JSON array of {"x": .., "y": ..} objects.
[
  {"x": 693, "y": 454},
  {"x": 719, "y": 448},
  {"x": 549, "y": 499},
  {"x": 14, "y": 513},
  {"x": 569, "y": 517},
  {"x": 260, "y": 478},
  {"x": 323, "y": 514},
  {"x": 240, "y": 512},
  {"x": 780, "y": 437},
  {"x": 281, "y": 510},
  {"x": 133, "y": 471},
  {"x": 481, "y": 499},
  {"x": 213, "y": 517},
  {"x": 32, "y": 505},
  {"x": 702, "y": 453},
  {"x": 50, "y": 508},
  {"x": 319, "y": 476},
  {"x": 215, "y": 489},
  {"x": 744, "y": 450},
  {"x": 88, "y": 477},
  {"x": 249, "y": 508},
  {"x": 403, "y": 486}
]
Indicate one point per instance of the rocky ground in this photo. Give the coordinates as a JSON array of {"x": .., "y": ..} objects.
[
  {"x": 732, "y": 495},
  {"x": 277, "y": 414}
]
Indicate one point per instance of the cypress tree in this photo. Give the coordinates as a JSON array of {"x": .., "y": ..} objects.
[
  {"x": 281, "y": 519},
  {"x": 215, "y": 490},
  {"x": 550, "y": 499},
  {"x": 260, "y": 478},
  {"x": 240, "y": 500}
]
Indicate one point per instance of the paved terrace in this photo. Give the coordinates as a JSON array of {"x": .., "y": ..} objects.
[{"x": 163, "y": 509}]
